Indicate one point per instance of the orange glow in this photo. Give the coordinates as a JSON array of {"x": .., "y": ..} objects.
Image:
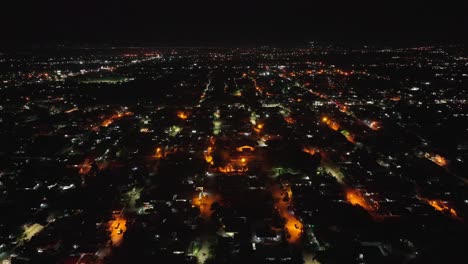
[
  {"x": 258, "y": 128},
  {"x": 343, "y": 72},
  {"x": 233, "y": 167},
  {"x": 323, "y": 96},
  {"x": 441, "y": 206},
  {"x": 309, "y": 150},
  {"x": 437, "y": 159},
  {"x": 208, "y": 154},
  {"x": 227, "y": 169},
  {"x": 203, "y": 201},
  {"x": 292, "y": 226},
  {"x": 330, "y": 123},
  {"x": 440, "y": 160},
  {"x": 85, "y": 167},
  {"x": 241, "y": 149},
  {"x": 117, "y": 228},
  {"x": 350, "y": 138},
  {"x": 159, "y": 153},
  {"x": 333, "y": 125},
  {"x": 107, "y": 122},
  {"x": 374, "y": 125},
  {"x": 355, "y": 197},
  {"x": 289, "y": 120},
  {"x": 110, "y": 120},
  {"x": 182, "y": 115}
]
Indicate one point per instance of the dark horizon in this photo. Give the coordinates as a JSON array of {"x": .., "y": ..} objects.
[{"x": 208, "y": 23}]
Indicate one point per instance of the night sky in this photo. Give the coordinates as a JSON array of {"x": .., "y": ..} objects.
[{"x": 230, "y": 22}]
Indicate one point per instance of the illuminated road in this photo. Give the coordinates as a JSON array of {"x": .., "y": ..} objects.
[
  {"x": 292, "y": 225},
  {"x": 31, "y": 230},
  {"x": 355, "y": 197},
  {"x": 204, "y": 253},
  {"x": 333, "y": 171},
  {"x": 28, "y": 233},
  {"x": 117, "y": 228}
]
